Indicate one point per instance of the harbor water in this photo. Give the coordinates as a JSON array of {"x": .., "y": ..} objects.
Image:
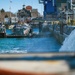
[{"x": 29, "y": 45}]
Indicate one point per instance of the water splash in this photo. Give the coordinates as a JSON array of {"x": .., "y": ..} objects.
[
  {"x": 69, "y": 43},
  {"x": 14, "y": 51},
  {"x": 17, "y": 48}
]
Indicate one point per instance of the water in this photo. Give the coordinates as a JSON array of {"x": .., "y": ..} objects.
[
  {"x": 27, "y": 45},
  {"x": 69, "y": 43},
  {"x": 8, "y": 31}
]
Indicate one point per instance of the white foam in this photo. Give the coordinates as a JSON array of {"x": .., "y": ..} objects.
[
  {"x": 16, "y": 48},
  {"x": 13, "y": 51},
  {"x": 69, "y": 43}
]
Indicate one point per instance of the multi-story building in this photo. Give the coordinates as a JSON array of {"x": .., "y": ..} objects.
[
  {"x": 34, "y": 13},
  {"x": 61, "y": 4},
  {"x": 23, "y": 14},
  {"x": 4, "y": 15},
  {"x": 70, "y": 13}
]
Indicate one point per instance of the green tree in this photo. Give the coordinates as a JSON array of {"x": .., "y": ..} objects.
[{"x": 2, "y": 10}]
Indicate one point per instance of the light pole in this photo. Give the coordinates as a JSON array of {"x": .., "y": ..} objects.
[
  {"x": 71, "y": 4},
  {"x": 53, "y": 2},
  {"x": 10, "y": 10}
]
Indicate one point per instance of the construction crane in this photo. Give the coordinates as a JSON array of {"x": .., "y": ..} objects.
[{"x": 49, "y": 8}]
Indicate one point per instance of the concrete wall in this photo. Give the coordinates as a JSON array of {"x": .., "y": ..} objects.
[{"x": 55, "y": 30}]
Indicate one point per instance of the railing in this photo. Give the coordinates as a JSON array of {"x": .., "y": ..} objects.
[{"x": 63, "y": 29}]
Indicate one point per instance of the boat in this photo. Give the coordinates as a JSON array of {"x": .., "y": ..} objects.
[
  {"x": 2, "y": 31},
  {"x": 21, "y": 30}
]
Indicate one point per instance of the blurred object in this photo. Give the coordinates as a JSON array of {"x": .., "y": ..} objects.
[
  {"x": 29, "y": 8},
  {"x": 34, "y": 67}
]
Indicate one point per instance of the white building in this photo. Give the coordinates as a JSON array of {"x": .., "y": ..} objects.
[
  {"x": 13, "y": 20},
  {"x": 70, "y": 12}
]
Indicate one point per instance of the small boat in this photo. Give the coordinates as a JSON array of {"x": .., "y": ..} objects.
[
  {"x": 21, "y": 30},
  {"x": 2, "y": 31}
]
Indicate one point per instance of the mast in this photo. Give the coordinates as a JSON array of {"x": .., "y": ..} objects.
[{"x": 10, "y": 10}]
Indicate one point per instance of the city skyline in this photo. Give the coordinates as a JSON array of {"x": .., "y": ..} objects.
[{"x": 18, "y": 4}]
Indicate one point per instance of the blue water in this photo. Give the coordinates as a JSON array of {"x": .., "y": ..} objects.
[
  {"x": 8, "y": 31},
  {"x": 27, "y": 45}
]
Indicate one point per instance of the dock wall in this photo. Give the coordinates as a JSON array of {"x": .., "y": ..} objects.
[{"x": 61, "y": 32}]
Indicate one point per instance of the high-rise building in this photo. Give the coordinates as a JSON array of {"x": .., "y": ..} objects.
[{"x": 61, "y": 4}]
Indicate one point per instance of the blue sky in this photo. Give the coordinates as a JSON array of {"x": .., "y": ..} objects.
[{"x": 17, "y": 4}]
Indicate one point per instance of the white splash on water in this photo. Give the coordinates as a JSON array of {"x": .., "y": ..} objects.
[
  {"x": 69, "y": 43},
  {"x": 17, "y": 48},
  {"x": 13, "y": 51}
]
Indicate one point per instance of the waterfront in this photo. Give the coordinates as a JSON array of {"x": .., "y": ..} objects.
[{"x": 29, "y": 45}]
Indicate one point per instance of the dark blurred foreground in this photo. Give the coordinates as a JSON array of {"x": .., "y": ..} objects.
[{"x": 37, "y": 64}]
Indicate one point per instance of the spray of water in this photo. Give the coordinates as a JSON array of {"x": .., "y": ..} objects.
[{"x": 69, "y": 43}]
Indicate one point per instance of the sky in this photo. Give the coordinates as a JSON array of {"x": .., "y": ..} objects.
[{"x": 17, "y": 4}]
